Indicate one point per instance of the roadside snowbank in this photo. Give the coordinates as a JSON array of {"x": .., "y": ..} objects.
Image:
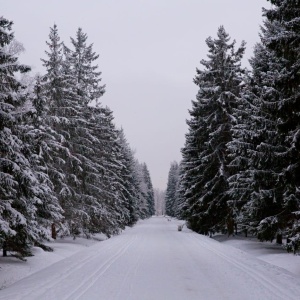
[
  {"x": 266, "y": 251},
  {"x": 13, "y": 269}
]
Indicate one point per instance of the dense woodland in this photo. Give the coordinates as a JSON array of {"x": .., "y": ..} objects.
[
  {"x": 65, "y": 169},
  {"x": 240, "y": 169}
]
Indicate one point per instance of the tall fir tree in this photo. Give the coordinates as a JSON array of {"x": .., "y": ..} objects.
[
  {"x": 283, "y": 39},
  {"x": 179, "y": 193},
  {"x": 159, "y": 198},
  {"x": 170, "y": 197},
  {"x": 273, "y": 206},
  {"x": 149, "y": 190},
  {"x": 63, "y": 117},
  {"x": 256, "y": 191},
  {"x": 205, "y": 155},
  {"x": 129, "y": 180},
  {"x": 25, "y": 186},
  {"x": 145, "y": 195},
  {"x": 86, "y": 75},
  {"x": 113, "y": 194}
]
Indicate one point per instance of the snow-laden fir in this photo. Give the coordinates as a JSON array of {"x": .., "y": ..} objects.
[{"x": 65, "y": 169}]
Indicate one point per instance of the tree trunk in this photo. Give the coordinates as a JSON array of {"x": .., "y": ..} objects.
[
  {"x": 235, "y": 227},
  {"x": 4, "y": 249},
  {"x": 230, "y": 226},
  {"x": 279, "y": 238},
  {"x": 53, "y": 231}
]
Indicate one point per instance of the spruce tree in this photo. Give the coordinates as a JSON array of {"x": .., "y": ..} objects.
[
  {"x": 86, "y": 75},
  {"x": 205, "y": 155},
  {"x": 63, "y": 117},
  {"x": 170, "y": 199},
  {"x": 24, "y": 184},
  {"x": 149, "y": 190},
  {"x": 256, "y": 191},
  {"x": 159, "y": 197},
  {"x": 273, "y": 204},
  {"x": 128, "y": 178},
  {"x": 145, "y": 191},
  {"x": 94, "y": 141},
  {"x": 109, "y": 183},
  {"x": 282, "y": 39},
  {"x": 40, "y": 141},
  {"x": 179, "y": 194}
]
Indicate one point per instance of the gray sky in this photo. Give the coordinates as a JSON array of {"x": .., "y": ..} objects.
[{"x": 149, "y": 51}]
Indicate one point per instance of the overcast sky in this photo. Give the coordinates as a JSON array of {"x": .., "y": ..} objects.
[{"x": 149, "y": 51}]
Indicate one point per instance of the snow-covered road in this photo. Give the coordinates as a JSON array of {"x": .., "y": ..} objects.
[{"x": 155, "y": 261}]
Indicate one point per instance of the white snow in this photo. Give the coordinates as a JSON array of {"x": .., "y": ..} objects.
[
  {"x": 13, "y": 269},
  {"x": 266, "y": 251},
  {"x": 153, "y": 260}
]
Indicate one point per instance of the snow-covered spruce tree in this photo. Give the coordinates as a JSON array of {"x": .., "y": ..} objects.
[
  {"x": 244, "y": 141},
  {"x": 274, "y": 204},
  {"x": 87, "y": 77},
  {"x": 149, "y": 190},
  {"x": 283, "y": 39},
  {"x": 159, "y": 198},
  {"x": 205, "y": 155},
  {"x": 47, "y": 145},
  {"x": 96, "y": 144},
  {"x": 257, "y": 148},
  {"x": 63, "y": 116},
  {"x": 171, "y": 189},
  {"x": 108, "y": 179},
  {"x": 24, "y": 188},
  {"x": 83, "y": 138},
  {"x": 179, "y": 194},
  {"x": 145, "y": 190},
  {"x": 141, "y": 190},
  {"x": 129, "y": 180}
]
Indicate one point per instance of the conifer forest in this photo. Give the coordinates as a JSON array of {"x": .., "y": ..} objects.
[
  {"x": 240, "y": 168},
  {"x": 67, "y": 170}
]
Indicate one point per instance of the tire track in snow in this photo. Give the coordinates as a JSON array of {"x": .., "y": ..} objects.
[
  {"x": 250, "y": 272},
  {"x": 132, "y": 271},
  {"x": 52, "y": 281},
  {"x": 89, "y": 281},
  {"x": 256, "y": 276}
]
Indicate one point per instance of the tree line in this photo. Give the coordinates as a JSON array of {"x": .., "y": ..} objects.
[
  {"x": 65, "y": 169},
  {"x": 241, "y": 159}
]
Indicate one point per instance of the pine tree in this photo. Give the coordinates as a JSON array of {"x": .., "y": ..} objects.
[
  {"x": 159, "y": 198},
  {"x": 96, "y": 133},
  {"x": 170, "y": 199},
  {"x": 149, "y": 190},
  {"x": 63, "y": 117},
  {"x": 145, "y": 193},
  {"x": 273, "y": 205},
  {"x": 129, "y": 181},
  {"x": 24, "y": 187},
  {"x": 241, "y": 166},
  {"x": 205, "y": 155},
  {"x": 112, "y": 193},
  {"x": 97, "y": 198},
  {"x": 282, "y": 38},
  {"x": 179, "y": 193},
  {"x": 86, "y": 76},
  {"x": 40, "y": 140},
  {"x": 256, "y": 148}
]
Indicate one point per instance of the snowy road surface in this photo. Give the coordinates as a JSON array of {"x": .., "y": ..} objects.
[{"x": 155, "y": 261}]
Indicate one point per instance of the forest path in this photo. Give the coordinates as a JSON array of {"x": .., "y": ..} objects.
[{"x": 154, "y": 261}]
